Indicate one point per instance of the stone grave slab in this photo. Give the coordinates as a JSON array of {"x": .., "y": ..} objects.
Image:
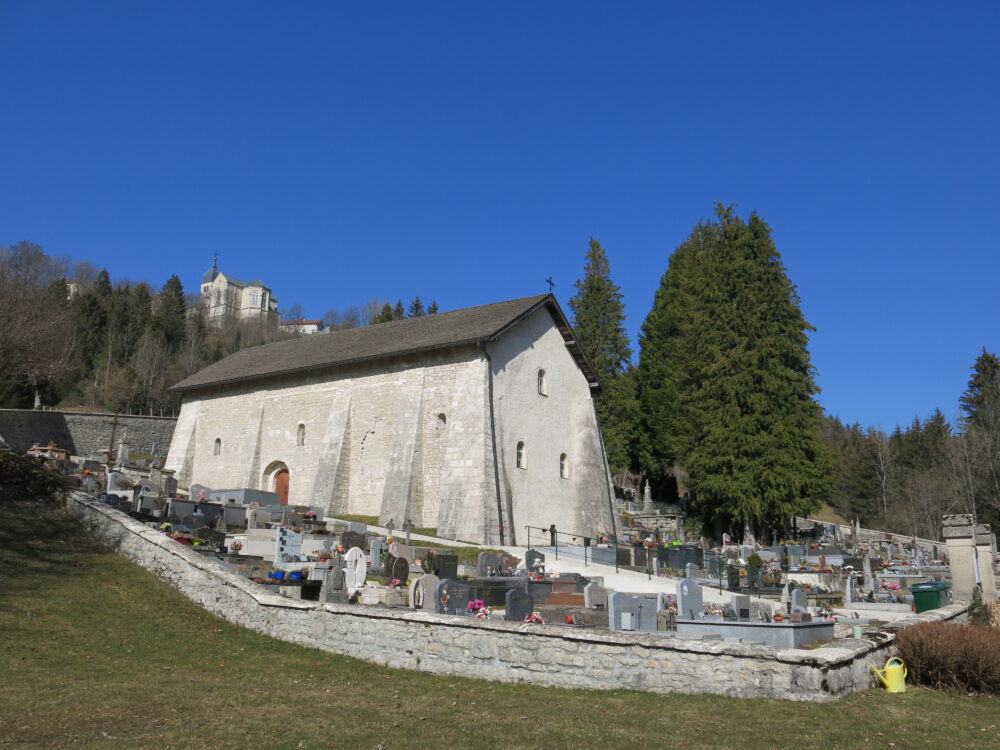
[
  {"x": 689, "y": 600},
  {"x": 422, "y": 592},
  {"x": 622, "y": 608},
  {"x": 356, "y": 568},
  {"x": 287, "y": 545},
  {"x": 741, "y": 606},
  {"x": 452, "y": 597},
  {"x": 403, "y": 550},
  {"x": 352, "y": 539},
  {"x": 375, "y": 548},
  {"x": 447, "y": 565},
  {"x": 800, "y": 601},
  {"x": 518, "y": 604},
  {"x": 508, "y": 562},
  {"x": 532, "y": 558},
  {"x": 595, "y": 596},
  {"x": 400, "y": 570},
  {"x": 489, "y": 564}
]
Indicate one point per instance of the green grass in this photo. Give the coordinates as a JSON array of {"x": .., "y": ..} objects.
[{"x": 97, "y": 653}]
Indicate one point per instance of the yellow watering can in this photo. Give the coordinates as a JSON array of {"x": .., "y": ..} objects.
[{"x": 893, "y": 676}]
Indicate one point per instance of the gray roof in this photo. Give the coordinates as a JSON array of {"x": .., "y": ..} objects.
[{"x": 427, "y": 333}]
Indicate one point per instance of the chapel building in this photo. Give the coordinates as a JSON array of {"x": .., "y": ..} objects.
[
  {"x": 476, "y": 422},
  {"x": 225, "y": 298}
]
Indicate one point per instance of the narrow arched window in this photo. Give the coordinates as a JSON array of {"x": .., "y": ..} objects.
[
  {"x": 218, "y": 447},
  {"x": 300, "y": 438},
  {"x": 543, "y": 384},
  {"x": 564, "y": 466},
  {"x": 522, "y": 459}
]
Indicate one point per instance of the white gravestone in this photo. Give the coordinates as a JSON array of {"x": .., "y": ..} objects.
[{"x": 357, "y": 568}]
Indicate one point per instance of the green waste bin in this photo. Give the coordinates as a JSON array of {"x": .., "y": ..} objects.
[{"x": 927, "y": 596}]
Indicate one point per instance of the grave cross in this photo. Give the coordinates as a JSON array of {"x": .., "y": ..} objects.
[{"x": 408, "y": 527}]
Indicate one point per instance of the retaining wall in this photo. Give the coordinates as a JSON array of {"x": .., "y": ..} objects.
[
  {"x": 541, "y": 655},
  {"x": 83, "y": 434}
]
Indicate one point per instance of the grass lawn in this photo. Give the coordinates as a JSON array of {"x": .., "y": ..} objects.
[{"x": 97, "y": 653}]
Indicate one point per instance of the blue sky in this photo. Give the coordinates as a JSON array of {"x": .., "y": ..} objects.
[{"x": 467, "y": 151}]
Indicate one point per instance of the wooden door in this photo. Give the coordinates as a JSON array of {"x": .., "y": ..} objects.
[{"x": 281, "y": 485}]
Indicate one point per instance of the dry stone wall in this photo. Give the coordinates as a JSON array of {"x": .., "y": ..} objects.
[
  {"x": 510, "y": 652},
  {"x": 83, "y": 434}
]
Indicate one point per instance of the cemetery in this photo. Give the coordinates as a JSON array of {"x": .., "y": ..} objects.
[
  {"x": 651, "y": 609},
  {"x": 800, "y": 624}
]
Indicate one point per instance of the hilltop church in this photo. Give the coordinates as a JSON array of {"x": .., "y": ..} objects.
[{"x": 477, "y": 422}]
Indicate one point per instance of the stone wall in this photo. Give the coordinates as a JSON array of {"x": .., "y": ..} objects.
[
  {"x": 510, "y": 652},
  {"x": 83, "y": 434}
]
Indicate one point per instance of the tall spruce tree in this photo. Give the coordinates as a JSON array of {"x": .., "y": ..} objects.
[
  {"x": 599, "y": 322},
  {"x": 171, "y": 314},
  {"x": 726, "y": 385}
]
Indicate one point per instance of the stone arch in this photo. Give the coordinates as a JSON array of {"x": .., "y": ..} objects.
[{"x": 276, "y": 479}]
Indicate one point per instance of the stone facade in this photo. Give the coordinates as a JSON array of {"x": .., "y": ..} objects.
[
  {"x": 224, "y": 298},
  {"x": 432, "y": 437},
  {"x": 509, "y": 652},
  {"x": 84, "y": 434}
]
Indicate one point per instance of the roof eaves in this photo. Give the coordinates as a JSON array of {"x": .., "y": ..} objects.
[{"x": 180, "y": 387}]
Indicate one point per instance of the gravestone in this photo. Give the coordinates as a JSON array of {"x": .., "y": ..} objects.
[
  {"x": 741, "y": 606},
  {"x": 800, "y": 602},
  {"x": 489, "y": 564},
  {"x": 199, "y": 491},
  {"x": 745, "y": 552},
  {"x": 357, "y": 528},
  {"x": 287, "y": 545},
  {"x": 595, "y": 596},
  {"x": 761, "y": 609},
  {"x": 169, "y": 485},
  {"x": 508, "y": 562},
  {"x": 690, "y": 570},
  {"x": 532, "y": 558},
  {"x": 451, "y": 597},
  {"x": 630, "y": 613},
  {"x": 334, "y": 589},
  {"x": 212, "y": 536},
  {"x": 400, "y": 570},
  {"x": 403, "y": 550},
  {"x": 849, "y": 589},
  {"x": 869, "y": 578},
  {"x": 518, "y": 605},
  {"x": 422, "y": 592},
  {"x": 356, "y": 568},
  {"x": 447, "y": 565},
  {"x": 390, "y": 560},
  {"x": 689, "y": 600},
  {"x": 375, "y": 552},
  {"x": 352, "y": 539}
]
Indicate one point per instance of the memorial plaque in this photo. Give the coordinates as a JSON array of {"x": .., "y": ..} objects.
[
  {"x": 452, "y": 597},
  {"x": 519, "y": 605}
]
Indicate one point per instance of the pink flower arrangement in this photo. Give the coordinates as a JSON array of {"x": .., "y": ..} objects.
[{"x": 534, "y": 618}]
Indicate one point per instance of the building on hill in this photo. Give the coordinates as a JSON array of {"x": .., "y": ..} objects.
[
  {"x": 225, "y": 298},
  {"x": 303, "y": 326},
  {"x": 476, "y": 422}
]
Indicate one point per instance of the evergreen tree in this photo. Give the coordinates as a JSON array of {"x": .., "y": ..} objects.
[
  {"x": 102, "y": 284},
  {"x": 398, "y": 313},
  {"x": 980, "y": 404},
  {"x": 171, "y": 314},
  {"x": 416, "y": 308},
  {"x": 385, "y": 314},
  {"x": 725, "y": 380},
  {"x": 599, "y": 324},
  {"x": 432, "y": 308}
]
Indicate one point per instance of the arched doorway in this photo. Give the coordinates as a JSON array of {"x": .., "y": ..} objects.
[
  {"x": 276, "y": 479},
  {"x": 281, "y": 485}
]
